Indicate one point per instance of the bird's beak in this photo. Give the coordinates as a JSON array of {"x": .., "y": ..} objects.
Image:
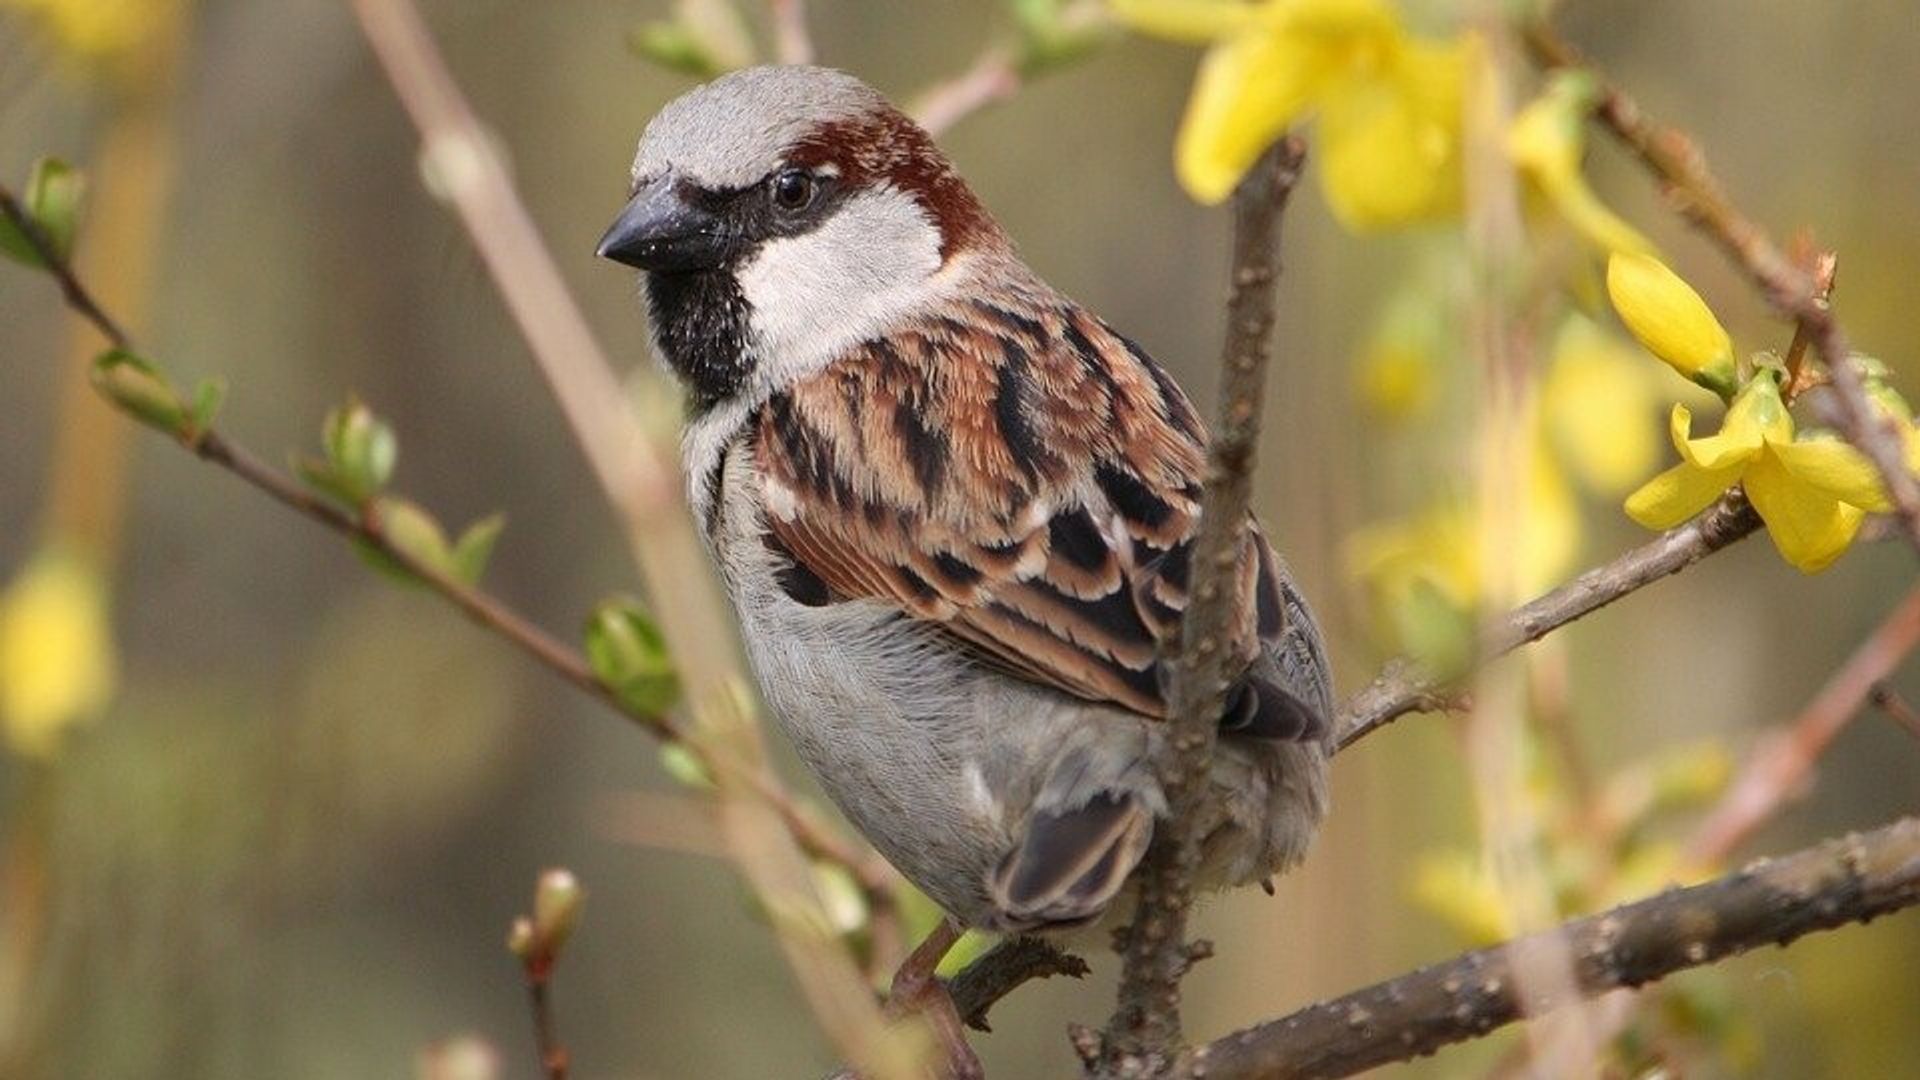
[{"x": 661, "y": 231}]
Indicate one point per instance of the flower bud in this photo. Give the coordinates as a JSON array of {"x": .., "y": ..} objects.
[{"x": 1672, "y": 321}]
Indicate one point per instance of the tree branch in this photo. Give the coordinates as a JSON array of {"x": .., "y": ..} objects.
[
  {"x": 991, "y": 77},
  {"x": 1853, "y": 879},
  {"x": 1144, "y": 1031},
  {"x": 792, "y": 41},
  {"x": 75, "y": 294},
  {"x": 1001, "y": 970},
  {"x": 1403, "y": 687},
  {"x": 1784, "y": 758},
  {"x": 877, "y": 880},
  {"x": 1675, "y": 159},
  {"x": 643, "y": 487}
]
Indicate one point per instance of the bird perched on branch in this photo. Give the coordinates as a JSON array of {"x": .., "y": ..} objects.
[{"x": 953, "y": 510}]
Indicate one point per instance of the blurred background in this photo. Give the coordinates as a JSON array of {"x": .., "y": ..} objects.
[{"x": 290, "y": 837}]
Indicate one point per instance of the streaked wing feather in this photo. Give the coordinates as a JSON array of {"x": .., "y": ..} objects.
[{"x": 1023, "y": 476}]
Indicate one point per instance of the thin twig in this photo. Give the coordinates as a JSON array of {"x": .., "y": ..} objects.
[
  {"x": 1848, "y": 880},
  {"x": 1010, "y": 964},
  {"x": 1785, "y": 758},
  {"x": 1888, "y": 700},
  {"x": 792, "y": 41},
  {"x": 1676, "y": 160},
  {"x": 640, "y": 484},
  {"x": 992, "y": 77},
  {"x": 1144, "y": 1032},
  {"x": 877, "y": 880},
  {"x": 77, "y": 297},
  {"x": 1403, "y": 687},
  {"x": 555, "y": 1061}
]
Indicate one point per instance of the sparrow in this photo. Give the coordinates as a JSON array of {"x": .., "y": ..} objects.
[{"x": 952, "y": 509}]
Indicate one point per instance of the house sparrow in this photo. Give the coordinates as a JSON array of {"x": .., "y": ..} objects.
[{"x": 952, "y": 509}]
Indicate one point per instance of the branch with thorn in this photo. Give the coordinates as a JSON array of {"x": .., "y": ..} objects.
[{"x": 1144, "y": 1031}]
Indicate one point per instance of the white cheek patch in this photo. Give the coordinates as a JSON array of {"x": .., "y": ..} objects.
[{"x": 817, "y": 295}]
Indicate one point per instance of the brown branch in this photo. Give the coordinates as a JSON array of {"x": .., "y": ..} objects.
[
  {"x": 992, "y": 77},
  {"x": 1144, "y": 1032},
  {"x": 1843, "y": 881},
  {"x": 537, "y": 940},
  {"x": 792, "y": 41},
  {"x": 1794, "y": 292},
  {"x": 1010, "y": 964},
  {"x": 1403, "y": 687},
  {"x": 1785, "y": 758},
  {"x": 876, "y": 879},
  {"x": 1888, "y": 700},
  {"x": 76, "y": 295},
  {"x": 643, "y": 487},
  {"x": 555, "y": 1061}
]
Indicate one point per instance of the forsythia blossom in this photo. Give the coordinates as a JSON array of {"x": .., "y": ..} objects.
[
  {"x": 1811, "y": 490},
  {"x": 96, "y": 29},
  {"x": 1389, "y": 104},
  {"x": 56, "y": 652},
  {"x": 1671, "y": 320},
  {"x": 1547, "y": 141}
]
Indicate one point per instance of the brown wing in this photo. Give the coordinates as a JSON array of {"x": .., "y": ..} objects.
[{"x": 1025, "y": 477}]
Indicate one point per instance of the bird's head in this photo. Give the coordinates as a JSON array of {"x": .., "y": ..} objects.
[{"x": 783, "y": 215}]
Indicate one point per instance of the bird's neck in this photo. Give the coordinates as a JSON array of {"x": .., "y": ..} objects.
[{"x": 701, "y": 325}]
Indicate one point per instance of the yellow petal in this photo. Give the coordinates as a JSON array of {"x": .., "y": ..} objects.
[
  {"x": 1756, "y": 416},
  {"x": 56, "y": 651},
  {"x": 1597, "y": 403},
  {"x": 1836, "y": 469},
  {"x": 1809, "y": 527},
  {"x": 1547, "y": 142},
  {"x": 1190, "y": 20},
  {"x": 1667, "y": 316},
  {"x": 1247, "y": 91},
  {"x": 1391, "y": 142},
  {"x": 1335, "y": 21},
  {"x": 1678, "y": 494},
  {"x": 97, "y": 29}
]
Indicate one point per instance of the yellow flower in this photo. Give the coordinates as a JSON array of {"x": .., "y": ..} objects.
[
  {"x": 1400, "y": 371},
  {"x": 1390, "y": 104},
  {"x": 1811, "y": 491},
  {"x": 56, "y": 651},
  {"x": 1547, "y": 142},
  {"x": 96, "y": 29},
  {"x": 1423, "y": 574},
  {"x": 1597, "y": 405},
  {"x": 1671, "y": 320}
]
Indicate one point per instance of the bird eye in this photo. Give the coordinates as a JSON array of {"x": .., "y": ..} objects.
[{"x": 792, "y": 189}]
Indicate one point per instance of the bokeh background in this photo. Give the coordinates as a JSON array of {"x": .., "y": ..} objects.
[{"x": 290, "y": 845}]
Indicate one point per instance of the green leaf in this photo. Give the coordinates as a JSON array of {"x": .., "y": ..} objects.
[
  {"x": 319, "y": 476},
  {"x": 54, "y": 191},
  {"x": 14, "y": 244},
  {"x": 681, "y": 763},
  {"x": 208, "y": 396},
  {"x": 138, "y": 388},
  {"x": 1053, "y": 35},
  {"x": 674, "y": 47},
  {"x": 51, "y": 201},
  {"x": 628, "y": 652},
  {"x": 468, "y": 560},
  {"x": 361, "y": 451},
  {"x": 413, "y": 532}
]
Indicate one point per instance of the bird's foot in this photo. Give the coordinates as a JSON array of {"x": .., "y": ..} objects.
[{"x": 917, "y": 989}]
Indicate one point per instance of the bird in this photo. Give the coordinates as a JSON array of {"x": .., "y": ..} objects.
[{"x": 953, "y": 511}]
